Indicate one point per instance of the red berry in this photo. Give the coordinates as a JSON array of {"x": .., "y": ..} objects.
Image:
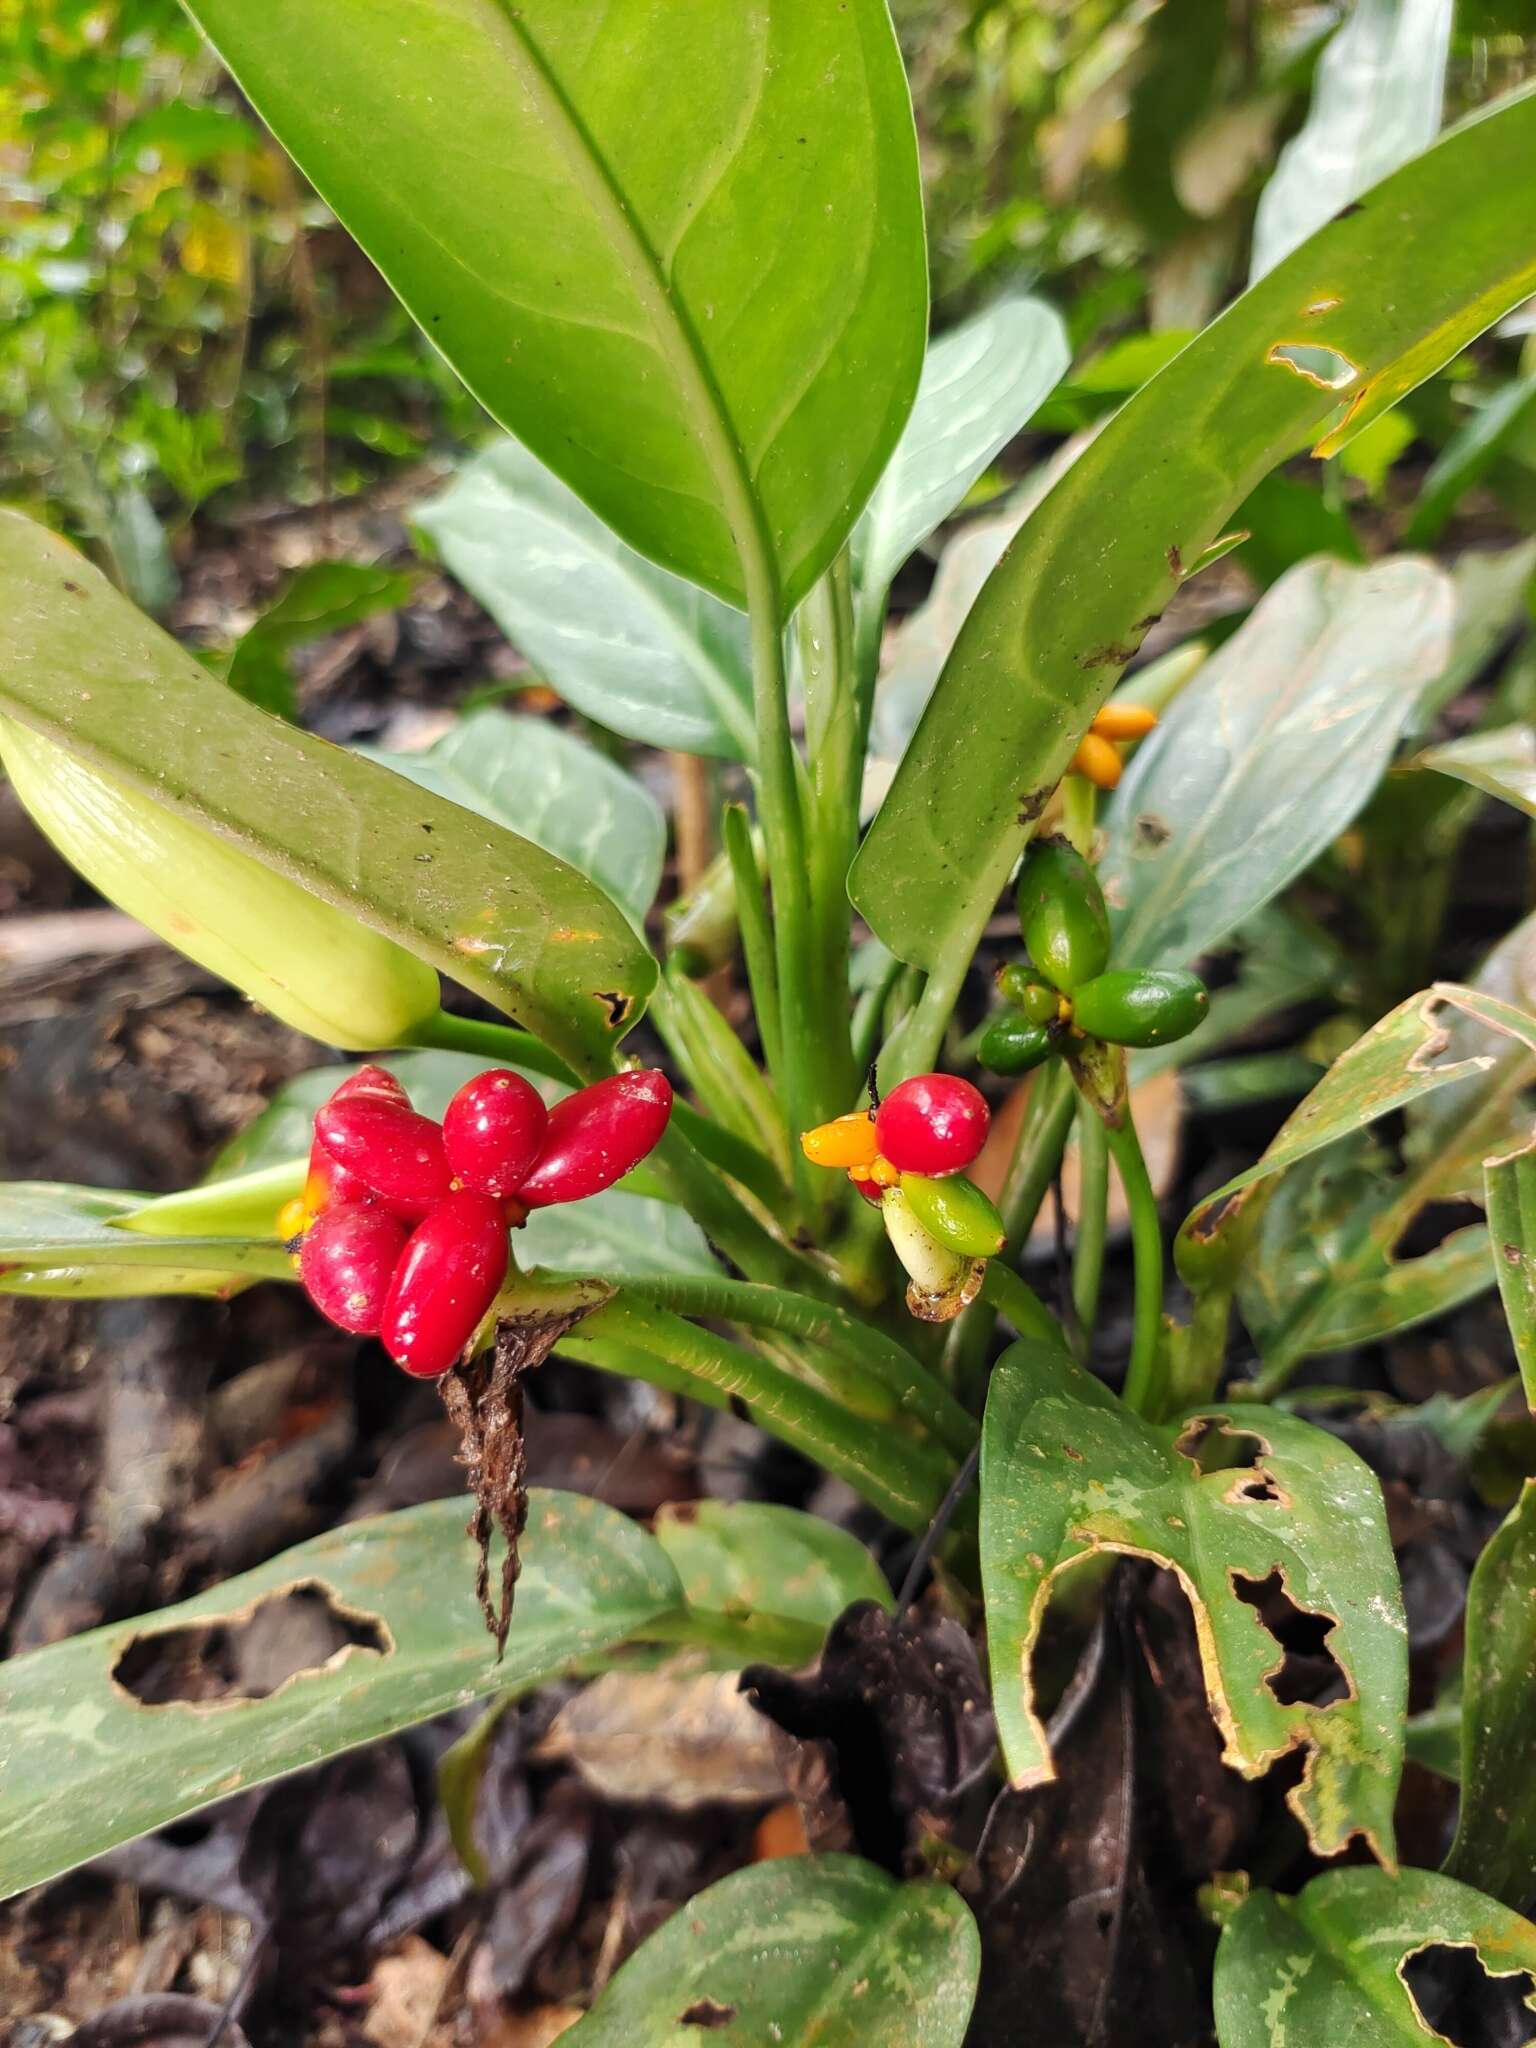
[
  {"x": 872, "y": 1192},
  {"x": 446, "y": 1280},
  {"x": 346, "y": 1262},
  {"x": 372, "y": 1081},
  {"x": 596, "y": 1136},
  {"x": 493, "y": 1130},
  {"x": 395, "y": 1151},
  {"x": 933, "y": 1124}
]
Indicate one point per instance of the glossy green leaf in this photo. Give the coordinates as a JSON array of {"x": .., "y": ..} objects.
[
  {"x": 1380, "y": 299},
  {"x": 536, "y": 779},
  {"x": 79, "y": 665},
  {"x": 57, "y": 1239},
  {"x": 981, "y": 383},
  {"x": 1327, "y": 1965},
  {"x": 1495, "y": 1843},
  {"x": 1269, "y": 752},
  {"x": 89, "y": 1765},
  {"x": 1501, "y": 763},
  {"x": 627, "y": 643},
  {"x": 765, "y": 1582},
  {"x": 1067, "y": 1471},
  {"x": 825, "y": 1949},
  {"x": 677, "y": 252},
  {"x": 1377, "y": 97},
  {"x": 1510, "y": 1184},
  {"x": 321, "y": 599}
]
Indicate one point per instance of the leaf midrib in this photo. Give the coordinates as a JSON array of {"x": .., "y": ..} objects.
[{"x": 641, "y": 267}]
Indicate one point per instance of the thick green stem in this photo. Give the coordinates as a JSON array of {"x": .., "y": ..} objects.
[
  {"x": 730, "y": 1226},
  {"x": 903, "y": 1476},
  {"x": 869, "y": 1014},
  {"x": 756, "y": 933},
  {"x": 718, "y": 1068},
  {"x": 824, "y": 632},
  {"x": 1092, "y": 1217},
  {"x": 1014, "y": 1298},
  {"x": 874, "y": 1354},
  {"x": 1145, "y": 1375}
]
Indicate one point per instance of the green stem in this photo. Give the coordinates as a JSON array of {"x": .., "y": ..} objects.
[
  {"x": 756, "y": 933},
  {"x": 1013, "y": 1297},
  {"x": 719, "y": 1069},
  {"x": 904, "y": 1477},
  {"x": 1078, "y": 798},
  {"x": 729, "y": 1225},
  {"x": 869, "y": 1014},
  {"x": 825, "y": 632},
  {"x": 1092, "y": 1217},
  {"x": 1145, "y": 1375},
  {"x": 848, "y": 1340}
]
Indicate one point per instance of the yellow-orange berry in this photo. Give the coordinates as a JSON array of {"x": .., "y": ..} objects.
[
  {"x": 1123, "y": 722},
  {"x": 1096, "y": 758},
  {"x": 293, "y": 1219},
  {"x": 884, "y": 1175},
  {"x": 847, "y": 1141}
]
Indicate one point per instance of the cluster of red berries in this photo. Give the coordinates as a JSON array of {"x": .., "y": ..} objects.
[{"x": 401, "y": 1231}]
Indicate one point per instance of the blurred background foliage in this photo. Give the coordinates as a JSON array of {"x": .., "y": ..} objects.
[{"x": 181, "y": 320}]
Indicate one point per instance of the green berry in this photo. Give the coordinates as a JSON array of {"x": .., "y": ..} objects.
[
  {"x": 1130, "y": 1008},
  {"x": 1062, "y": 914},
  {"x": 1012, "y": 1045},
  {"x": 956, "y": 1213}
]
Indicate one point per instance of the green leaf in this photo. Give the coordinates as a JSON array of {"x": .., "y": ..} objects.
[
  {"x": 628, "y": 644},
  {"x": 1327, "y": 1965},
  {"x": 1496, "y": 1828},
  {"x": 321, "y": 599},
  {"x": 1510, "y": 1184},
  {"x": 1102, "y": 555},
  {"x": 62, "y": 1240},
  {"x": 1067, "y": 1471},
  {"x": 678, "y": 252},
  {"x": 622, "y": 1237},
  {"x": 765, "y": 1582},
  {"x": 81, "y": 666},
  {"x": 89, "y": 1765},
  {"x": 981, "y": 383},
  {"x": 823, "y": 1948},
  {"x": 1376, "y": 101},
  {"x": 1491, "y": 592},
  {"x": 1269, "y": 752},
  {"x": 533, "y": 778},
  {"x": 1468, "y": 456},
  {"x": 1501, "y": 763},
  {"x": 1286, "y": 520}
]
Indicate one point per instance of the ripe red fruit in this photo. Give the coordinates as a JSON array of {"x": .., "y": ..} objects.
[
  {"x": 372, "y": 1081},
  {"x": 493, "y": 1131},
  {"x": 446, "y": 1279},
  {"x": 328, "y": 1182},
  {"x": 933, "y": 1124},
  {"x": 596, "y": 1136},
  {"x": 393, "y": 1150},
  {"x": 346, "y": 1262}
]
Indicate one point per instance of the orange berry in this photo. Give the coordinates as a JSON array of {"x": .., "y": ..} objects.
[
  {"x": 1123, "y": 722},
  {"x": 293, "y": 1219},
  {"x": 1096, "y": 758},
  {"x": 847, "y": 1141}
]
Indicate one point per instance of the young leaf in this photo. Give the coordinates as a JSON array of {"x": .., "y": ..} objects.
[
  {"x": 1328, "y": 1964},
  {"x": 1334, "y": 336},
  {"x": 61, "y": 1240},
  {"x": 112, "y": 1765},
  {"x": 495, "y": 911},
  {"x": 321, "y": 599},
  {"x": 823, "y": 1948},
  {"x": 678, "y": 250},
  {"x": 1501, "y": 763},
  {"x": 628, "y": 644},
  {"x": 1376, "y": 101},
  {"x": 764, "y": 1582},
  {"x": 533, "y": 778},
  {"x": 1269, "y": 752},
  {"x": 1068, "y": 1471},
  {"x": 981, "y": 383},
  {"x": 1496, "y": 1828}
]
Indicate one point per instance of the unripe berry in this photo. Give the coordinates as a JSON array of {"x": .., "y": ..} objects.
[
  {"x": 447, "y": 1278},
  {"x": 388, "y": 1146},
  {"x": 346, "y": 1261},
  {"x": 933, "y": 1124},
  {"x": 597, "y": 1136},
  {"x": 493, "y": 1131}
]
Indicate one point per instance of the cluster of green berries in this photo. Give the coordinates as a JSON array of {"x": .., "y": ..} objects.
[{"x": 1068, "y": 992}]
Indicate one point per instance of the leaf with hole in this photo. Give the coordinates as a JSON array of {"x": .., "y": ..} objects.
[
  {"x": 981, "y": 383},
  {"x": 677, "y": 251},
  {"x": 1264, "y": 1519},
  {"x": 1100, "y": 557},
  {"x": 1376, "y": 101},
  {"x": 521, "y": 928},
  {"x": 1269, "y": 752},
  {"x": 1328, "y": 1964},
  {"x": 94, "y": 1756},
  {"x": 823, "y": 1948},
  {"x": 554, "y": 789},
  {"x": 626, "y": 643}
]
